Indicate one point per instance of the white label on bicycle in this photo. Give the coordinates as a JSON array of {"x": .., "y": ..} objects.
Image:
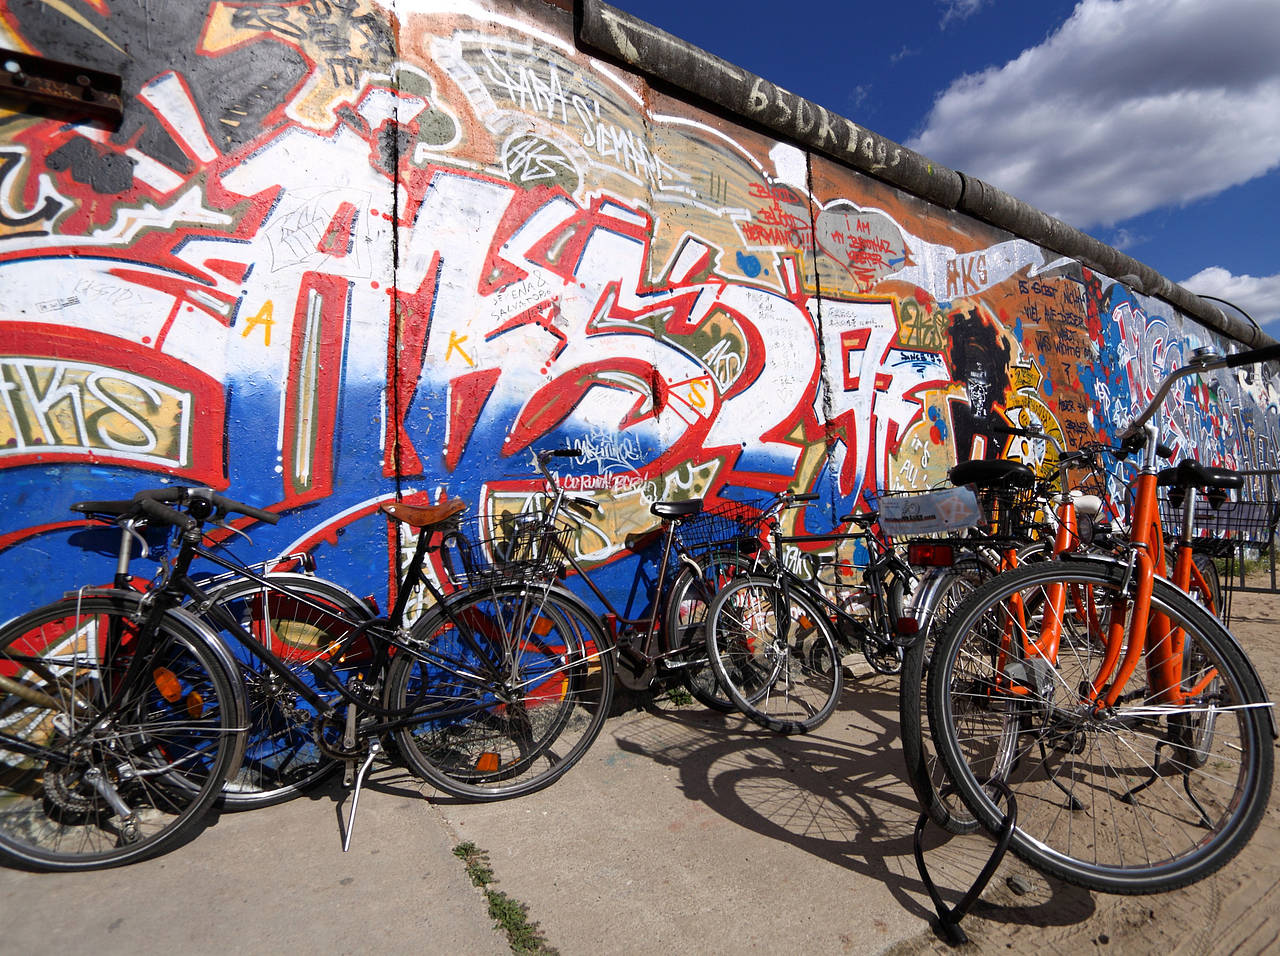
[{"x": 946, "y": 509}]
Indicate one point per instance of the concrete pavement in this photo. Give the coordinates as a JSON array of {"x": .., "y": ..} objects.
[{"x": 680, "y": 830}]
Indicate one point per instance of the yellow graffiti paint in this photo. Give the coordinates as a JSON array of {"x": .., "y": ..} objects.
[
  {"x": 263, "y": 318},
  {"x": 455, "y": 343}
]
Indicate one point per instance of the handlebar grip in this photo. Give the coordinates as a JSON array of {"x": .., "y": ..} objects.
[
  {"x": 1164, "y": 451},
  {"x": 1000, "y": 428},
  {"x": 113, "y": 508},
  {"x": 165, "y": 514},
  {"x": 559, "y": 453},
  {"x": 228, "y": 504},
  {"x": 806, "y": 496},
  {"x": 171, "y": 493},
  {"x": 1253, "y": 356}
]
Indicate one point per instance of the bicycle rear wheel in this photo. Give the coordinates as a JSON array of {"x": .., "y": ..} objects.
[
  {"x": 925, "y": 770},
  {"x": 295, "y": 618},
  {"x": 686, "y": 618},
  {"x": 94, "y": 773},
  {"x": 507, "y": 686},
  {"x": 774, "y": 653},
  {"x": 1109, "y": 798}
]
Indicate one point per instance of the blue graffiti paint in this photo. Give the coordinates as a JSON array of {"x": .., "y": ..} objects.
[{"x": 749, "y": 265}]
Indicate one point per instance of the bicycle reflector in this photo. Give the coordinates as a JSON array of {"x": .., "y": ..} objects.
[
  {"x": 487, "y": 762},
  {"x": 907, "y": 627},
  {"x": 168, "y": 684},
  {"x": 931, "y": 554}
]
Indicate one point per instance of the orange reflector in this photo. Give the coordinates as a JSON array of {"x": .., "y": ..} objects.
[
  {"x": 168, "y": 684},
  {"x": 930, "y": 555},
  {"x": 195, "y": 705},
  {"x": 488, "y": 762},
  {"x": 908, "y": 626}
]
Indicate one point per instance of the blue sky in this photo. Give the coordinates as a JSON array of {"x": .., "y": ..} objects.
[{"x": 1153, "y": 125}]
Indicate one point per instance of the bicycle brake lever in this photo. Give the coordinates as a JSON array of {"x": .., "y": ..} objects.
[
  {"x": 227, "y": 527},
  {"x": 144, "y": 550}
]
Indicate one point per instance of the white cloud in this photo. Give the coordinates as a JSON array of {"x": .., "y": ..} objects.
[
  {"x": 902, "y": 54},
  {"x": 1259, "y": 296},
  {"x": 954, "y": 10},
  {"x": 858, "y": 96},
  {"x": 1127, "y": 239},
  {"x": 1130, "y": 105}
]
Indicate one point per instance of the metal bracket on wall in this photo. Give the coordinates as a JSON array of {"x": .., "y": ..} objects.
[{"x": 64, "y": 88}]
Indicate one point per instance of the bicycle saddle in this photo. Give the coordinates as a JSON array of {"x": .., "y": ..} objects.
[
  {"x": 1189, "y": 473},
  {"x": 991, "y": 474},
  {"x": 423, "y": 516},
  {"x": 676, "y": 509}
]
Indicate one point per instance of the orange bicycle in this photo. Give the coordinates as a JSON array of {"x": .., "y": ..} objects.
[{"x": 1129, "y": 725}]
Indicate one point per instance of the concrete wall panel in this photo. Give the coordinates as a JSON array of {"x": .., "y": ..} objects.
[{"x": 344, "y": 250}]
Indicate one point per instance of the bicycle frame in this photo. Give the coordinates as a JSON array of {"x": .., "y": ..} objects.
[
  {"x": 885, "y": 559},
  {"x": 1132, "y": 633}
]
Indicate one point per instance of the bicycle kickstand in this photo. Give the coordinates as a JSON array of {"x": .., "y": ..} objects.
[{"x": 374, "y": 749}]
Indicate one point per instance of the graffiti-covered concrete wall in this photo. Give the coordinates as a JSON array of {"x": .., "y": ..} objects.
[{"x": 340, "y": 251}]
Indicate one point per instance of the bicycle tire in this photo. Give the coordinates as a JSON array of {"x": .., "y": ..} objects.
[
  {"x": 1125, "y": 825},
  {"x": 160, "y": 755},
  {"x": 283, "y": 758},
  {"x": 925, "y": 770},
  {"x": 479, "y": 734},
  {"x": 786, "y": 677},
  {"x": 685, "y": 621}
]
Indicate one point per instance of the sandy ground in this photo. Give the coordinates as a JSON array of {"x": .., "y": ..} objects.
[{"x": 1229, "y": 912}]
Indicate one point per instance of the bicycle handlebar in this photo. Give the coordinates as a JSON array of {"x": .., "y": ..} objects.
[
  {"x": 226, "y": 505},
  {"x": 165, "y": 515},
  {"x": 1205, "y": 360},
  {"x": 154, "y": 503},
  {"x": 1253, "y": 356},
  {"x": 999, "y": 428},
  {"x": 114, "y": 509},
  {"x": 545, "y": 456}
]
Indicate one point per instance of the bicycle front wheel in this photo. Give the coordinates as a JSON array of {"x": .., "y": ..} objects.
[
  {"x": 774, "y": 654},
  {"x": 1134, "y": 797},
  {"x": 98, "y": 772},
  {"x": 502, "y": 690},
  {"x": 295, "y": 617}
]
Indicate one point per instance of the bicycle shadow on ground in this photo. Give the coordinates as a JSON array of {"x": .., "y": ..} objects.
[{"x": 839, "y": 794}]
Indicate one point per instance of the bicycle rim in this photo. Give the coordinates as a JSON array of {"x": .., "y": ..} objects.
[
  {"x": 925, "y": 770},
  {"x": 686, "y": 619},
  {"x": 781, "y": 668},
  {"x": 510, "y": 687},
  {"x": 1110, "y": 799},
  {"x": 282, "y": 757}
]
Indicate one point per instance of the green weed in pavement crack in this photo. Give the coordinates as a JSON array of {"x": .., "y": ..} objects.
[{"x": 511, "y": 916}]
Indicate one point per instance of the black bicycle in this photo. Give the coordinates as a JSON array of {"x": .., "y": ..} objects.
[
  {"x": 123, "y": 714},
  {"x": 777, "y": 641}
]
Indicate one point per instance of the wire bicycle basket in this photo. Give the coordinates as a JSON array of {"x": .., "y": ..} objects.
[
  {"x": 730, "y": 528},
  {"x": 1223, "y": 526},
  {"x": 504, "y": 549}
]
